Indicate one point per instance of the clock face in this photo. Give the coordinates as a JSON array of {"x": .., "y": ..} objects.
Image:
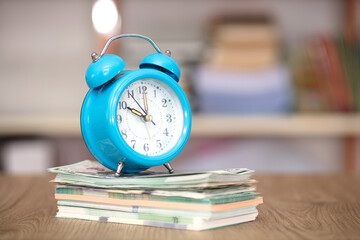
[{"x": 150, "y": 117}]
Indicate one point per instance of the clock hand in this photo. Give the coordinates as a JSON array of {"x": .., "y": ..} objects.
[
  {"x": 141, "y": 107},
  {"x": 136, "y": 112},
  {"x": 138, "y": 103},
  {"x": 148, "y": 130},
  {"x": 146, "y": 118},
  {"x": 146, "y": 107},
  {"x": 145, "y": 104}
]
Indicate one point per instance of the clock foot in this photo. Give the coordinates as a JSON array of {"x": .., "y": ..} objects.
[
  {"x": 168, "y": 167},
  {"x": 118, "y": 169}
]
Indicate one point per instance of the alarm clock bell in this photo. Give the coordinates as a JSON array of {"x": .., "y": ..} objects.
[
  {"x": 103, "y": 69},
  {"x": 163, "y": 63}
]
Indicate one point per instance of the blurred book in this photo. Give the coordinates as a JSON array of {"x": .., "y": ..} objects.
[
  {"x": 326, "y": 72},
  {"x": 245, "y": 42},
  {"x": 241, "y": 73},
  {"x": 237, "y": 91}
]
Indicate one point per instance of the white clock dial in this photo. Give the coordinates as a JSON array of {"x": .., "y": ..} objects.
[{"x": 150, "y": 117}]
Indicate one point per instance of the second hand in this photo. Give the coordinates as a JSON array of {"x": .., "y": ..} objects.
[
  {"x": 141, "y": 107},
  {"x": 148, "y": 130}
]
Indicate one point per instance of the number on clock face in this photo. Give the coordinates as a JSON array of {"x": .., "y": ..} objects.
[{"x": 150, "y": 117}]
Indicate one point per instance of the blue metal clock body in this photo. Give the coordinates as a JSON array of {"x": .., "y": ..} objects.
[{"x": 107, "y": 81}]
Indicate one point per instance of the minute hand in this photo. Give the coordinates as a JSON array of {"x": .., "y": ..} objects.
[{"x": 145, "y": 104}]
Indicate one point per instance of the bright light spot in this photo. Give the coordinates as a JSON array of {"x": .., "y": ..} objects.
[{"x": 104, "y": 16}]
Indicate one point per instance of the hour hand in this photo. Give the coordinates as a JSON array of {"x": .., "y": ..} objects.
[{"x": 136, "y": 112}]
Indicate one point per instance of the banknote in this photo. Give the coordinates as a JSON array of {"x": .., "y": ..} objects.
[
  {"x": 94, "y": 172},
  {"x": 103, "y": 183},
  {"x": 178, "y": 218},
  {"x": 255, "y": 200},
  {"x": 160, "y": 211},
  {"x": 197, "y": 225},
  {"x": 218, "y": 199},
  {"x": 197, "y": 193}
]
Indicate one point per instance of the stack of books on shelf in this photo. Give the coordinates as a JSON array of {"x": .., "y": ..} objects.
[
  {"x": 193, "y": 200},
  {"x": 241, "y": 72},
  {"x": 326, "y": 73},
  {"x": 243, "y": 42}
]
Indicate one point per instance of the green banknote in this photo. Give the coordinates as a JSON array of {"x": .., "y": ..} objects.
[
  {"x": 104, "y": 183},
  {"x": 151, "y": 219},
  {"x": 93, "y": 172},
  {"x": 219, "y": 199},
  {"x": 198, "y": 193}
]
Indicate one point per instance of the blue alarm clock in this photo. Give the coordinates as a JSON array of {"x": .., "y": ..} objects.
[{"x": 134, "y": 120}]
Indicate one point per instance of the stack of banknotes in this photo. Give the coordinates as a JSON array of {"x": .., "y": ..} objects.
[{"x": 188, "y": 200}]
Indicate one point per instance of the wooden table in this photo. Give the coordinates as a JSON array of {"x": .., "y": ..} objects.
[{"x": 296, "y": 207}]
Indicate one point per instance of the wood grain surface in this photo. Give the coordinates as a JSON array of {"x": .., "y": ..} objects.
[{"x": 295, "y": 207}]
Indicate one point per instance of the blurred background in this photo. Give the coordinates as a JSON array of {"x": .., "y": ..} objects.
[{"x": 274, "y": 85}]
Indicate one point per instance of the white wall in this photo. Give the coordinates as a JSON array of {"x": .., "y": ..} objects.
[{"x": 45, "y": 48}]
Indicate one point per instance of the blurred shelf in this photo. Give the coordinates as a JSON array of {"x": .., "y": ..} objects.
[
  {"x": 40, "y": 125},
  {"x": 322, "y": 125}
]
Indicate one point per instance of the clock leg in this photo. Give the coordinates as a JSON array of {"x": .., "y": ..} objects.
[
  {"x": 119, "y": 168},
  {"x": 168, "y": 167}
]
